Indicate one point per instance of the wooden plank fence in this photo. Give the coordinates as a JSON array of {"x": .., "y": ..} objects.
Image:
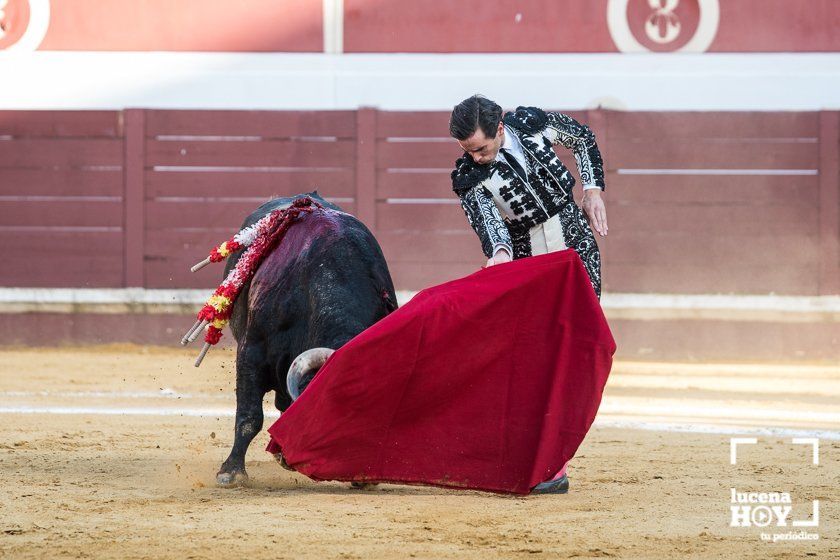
[{"x": 698, "y": 202}]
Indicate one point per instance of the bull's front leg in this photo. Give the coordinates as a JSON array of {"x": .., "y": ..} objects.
[{"x": 249, "y": 414}]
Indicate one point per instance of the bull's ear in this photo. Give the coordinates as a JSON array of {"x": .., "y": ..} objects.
[{"x": 390, "y": 304}]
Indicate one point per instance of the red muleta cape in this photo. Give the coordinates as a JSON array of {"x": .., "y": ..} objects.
[{"x": 488, "y": 382}]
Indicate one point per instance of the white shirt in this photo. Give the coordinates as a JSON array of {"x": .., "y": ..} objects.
[{"x": 514, "y": 147}]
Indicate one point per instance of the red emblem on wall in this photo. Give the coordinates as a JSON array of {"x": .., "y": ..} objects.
[
  {"x": 14, "y": 19},
  {"x": 23, "y": 23},
  {"x": 663, "y": 25}
]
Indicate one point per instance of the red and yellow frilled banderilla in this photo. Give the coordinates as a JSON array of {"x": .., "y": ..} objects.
[{"x": 258, "y": 240}]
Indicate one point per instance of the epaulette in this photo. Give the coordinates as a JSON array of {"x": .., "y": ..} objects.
[
  {"x": 467, "y": 173},
  {"x": 527, "y": 119}
]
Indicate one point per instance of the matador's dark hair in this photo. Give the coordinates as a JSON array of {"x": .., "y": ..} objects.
[{"x": 472, "y": 113}]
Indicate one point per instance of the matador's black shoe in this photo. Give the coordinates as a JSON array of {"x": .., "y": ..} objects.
[{"x": 558, "y": 486}]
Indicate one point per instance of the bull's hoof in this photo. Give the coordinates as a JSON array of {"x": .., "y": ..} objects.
[
  {"x": 280, "y": 459},
  {"x": 231, "y": 479},
  {"x": 363, "y": 485}
]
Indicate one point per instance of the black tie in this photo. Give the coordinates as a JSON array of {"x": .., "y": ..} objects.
[{"x": 514, "y": 164}]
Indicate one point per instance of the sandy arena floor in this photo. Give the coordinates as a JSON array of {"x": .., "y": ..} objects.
[{"x": 80, "y": 478}]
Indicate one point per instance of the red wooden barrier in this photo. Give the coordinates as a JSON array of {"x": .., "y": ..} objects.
[
  {"x": 829, "y": 203},
  {"x": 735, "y": 213},
  {"x": 135, "y": 216},
  {"x": 61, "y": 198},
  {"x": 206, "y": 170},
  {"x": 697, "y": 202}
]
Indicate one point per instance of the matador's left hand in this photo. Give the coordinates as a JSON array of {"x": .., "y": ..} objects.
[{"x": 596, "y": 212}]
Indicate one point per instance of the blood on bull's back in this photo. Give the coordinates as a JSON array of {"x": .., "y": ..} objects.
[{"x": 325, "y": 282}]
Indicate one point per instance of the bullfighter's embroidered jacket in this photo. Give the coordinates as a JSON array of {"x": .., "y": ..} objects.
[{"x": 547, "y": 192}]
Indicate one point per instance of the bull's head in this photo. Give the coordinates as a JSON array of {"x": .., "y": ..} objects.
[{"x": 303, "y": 369}]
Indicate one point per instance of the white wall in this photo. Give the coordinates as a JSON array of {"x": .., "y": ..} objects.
[{"x": 110, "y": 80}]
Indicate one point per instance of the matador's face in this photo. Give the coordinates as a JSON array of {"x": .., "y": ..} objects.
[{"x": 483, "y": 149}]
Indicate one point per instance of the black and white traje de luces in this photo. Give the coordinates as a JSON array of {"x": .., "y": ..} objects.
[{"x": 547, "y": 192}]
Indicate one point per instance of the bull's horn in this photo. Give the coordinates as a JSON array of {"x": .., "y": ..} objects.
[{"x": 304, "y": 368}]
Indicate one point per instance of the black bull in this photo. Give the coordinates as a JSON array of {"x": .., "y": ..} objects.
[{"x": 325, "y": 282}]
